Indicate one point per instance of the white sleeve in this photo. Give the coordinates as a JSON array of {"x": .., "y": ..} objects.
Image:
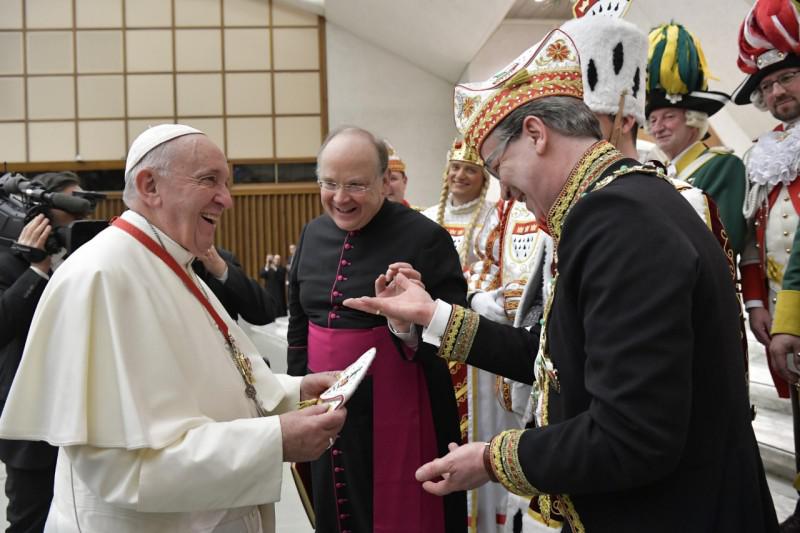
[
  {"x": 433, "y": 333},
  {"x": 219, "y": 465}
]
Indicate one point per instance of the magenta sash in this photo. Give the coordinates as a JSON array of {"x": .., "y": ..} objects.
[{"x": 403, "y": 434}]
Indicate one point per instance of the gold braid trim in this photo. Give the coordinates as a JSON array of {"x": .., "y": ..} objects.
[
  {"x": 506, "y": 465},
  {"x": 466, "y": 335},
  {"x": 562, "y": 504},
  {"x": 450, "y": 332},
  {"x": 582, "y": 179},
  {"x": 593, "y": 163}
]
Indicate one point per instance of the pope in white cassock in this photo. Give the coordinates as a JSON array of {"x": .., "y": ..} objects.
[{"x": 167, "y": 417}]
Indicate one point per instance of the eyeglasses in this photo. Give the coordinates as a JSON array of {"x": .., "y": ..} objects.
[
  {"x": 491, "y": 162},
  {"x": 784, "y": 80},
  {"x": 350, "y": 188}
]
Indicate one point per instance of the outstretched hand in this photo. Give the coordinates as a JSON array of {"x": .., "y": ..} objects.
[
  {"x": 461, "y": 469},
  {"x": 402, "y": 300}
]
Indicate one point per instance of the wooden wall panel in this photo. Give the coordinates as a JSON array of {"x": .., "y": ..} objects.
[{"x": 264, "y": 219}]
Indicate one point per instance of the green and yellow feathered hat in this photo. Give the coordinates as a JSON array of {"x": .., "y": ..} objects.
[{"x": 677, "y": 72}]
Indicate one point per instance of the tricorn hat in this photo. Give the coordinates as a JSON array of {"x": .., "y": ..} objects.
[
  {"x": 677, "y": 73},
  {"x": 769, "y": 40}
]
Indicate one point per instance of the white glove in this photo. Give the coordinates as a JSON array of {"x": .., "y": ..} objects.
[{"x": 490, "y": 305}]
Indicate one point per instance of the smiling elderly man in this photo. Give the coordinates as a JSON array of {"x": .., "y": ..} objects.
[
  {"x": 640, "y": 319},
  {"x": 164, "y": 411},
  {"x": 679, "y": 105},
  {"x": 404, "y": 413}
]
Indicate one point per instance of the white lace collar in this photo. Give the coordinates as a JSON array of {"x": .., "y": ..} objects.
[{"x": 775, "y": 158}]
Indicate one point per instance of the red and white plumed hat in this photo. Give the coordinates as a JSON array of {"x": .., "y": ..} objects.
[{"x": 769, "y": 40}]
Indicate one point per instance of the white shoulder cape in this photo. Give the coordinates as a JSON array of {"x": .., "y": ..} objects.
[{"x": 121, "y": 354}]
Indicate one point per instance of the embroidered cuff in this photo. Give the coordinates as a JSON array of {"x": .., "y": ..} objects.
[
  {"x": 456, "y": 342},
  {"x": 506, "y": 466},
  {"x": 787, "y": 313}
]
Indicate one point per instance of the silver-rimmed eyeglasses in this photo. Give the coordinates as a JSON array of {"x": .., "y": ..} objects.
[{"x": 350, "y": 188}]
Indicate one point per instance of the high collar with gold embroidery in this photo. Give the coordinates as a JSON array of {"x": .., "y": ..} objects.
[{"x": 591, "y": 166}]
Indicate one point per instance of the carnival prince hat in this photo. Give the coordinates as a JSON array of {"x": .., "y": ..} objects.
[
  {"x": 677, "y": 74},
  {"x": 769, "y": 40},
  {"x": 395, "y": 162},
  {"x": 549, "y": 68}
]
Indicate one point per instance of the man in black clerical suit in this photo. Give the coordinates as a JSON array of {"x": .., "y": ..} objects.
[
  {"x": 240, "y": 295},
  {"x": 30, "y": 466},
  {"x": 641, "y": 406},
  {"x": 405, "y": 409}
]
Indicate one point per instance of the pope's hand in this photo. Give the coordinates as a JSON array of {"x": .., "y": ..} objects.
[
  {"x": 313, "y": 385},
  {"x": 461, "y": 469},
  {"x": 307, "y": 433},
  {"x": 403, "y": 300}
]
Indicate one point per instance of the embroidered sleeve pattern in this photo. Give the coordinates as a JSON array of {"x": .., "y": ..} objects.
[
  {"x": 459, "y": 334},
  {"x": 506, "y": 465}
]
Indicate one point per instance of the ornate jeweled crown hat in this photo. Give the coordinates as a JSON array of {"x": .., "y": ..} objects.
[
  {"x": 677, "y": 72},
  {"x": 549, "y": 68},
  {"x": 613, "y": 55},
  {"x": 769, "y": 40},
  {"x": 395, "y": 163},
  {"x": 461, "y": 151}
]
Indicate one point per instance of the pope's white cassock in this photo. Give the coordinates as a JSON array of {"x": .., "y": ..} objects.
[{"x": 127, "y": 372}]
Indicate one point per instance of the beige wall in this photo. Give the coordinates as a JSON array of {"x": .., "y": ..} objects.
[
  {"x": 386, "y": 94},
  {"x": 79, "y": 79}
]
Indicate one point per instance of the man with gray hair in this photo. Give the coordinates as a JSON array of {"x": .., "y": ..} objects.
[
  {"x": 640, "y": 318},
  {"x": 166, "y": 416}
]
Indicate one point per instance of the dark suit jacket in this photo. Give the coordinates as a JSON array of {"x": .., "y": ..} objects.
[
  {"x": 275, "y": 282},
  {"x": 20, "y": 290},
  {"x": 650, "y": 428},
  {"x": 239, "y": 294}
]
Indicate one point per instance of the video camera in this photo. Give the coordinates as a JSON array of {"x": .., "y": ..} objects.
[{"x": 22, "y": 199}]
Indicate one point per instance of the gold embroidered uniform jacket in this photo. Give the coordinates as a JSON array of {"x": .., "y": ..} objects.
[{"x": 644, "y": 318}]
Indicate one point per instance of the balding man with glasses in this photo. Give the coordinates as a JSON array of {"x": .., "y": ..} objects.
[{"x": 404, "y": 413}]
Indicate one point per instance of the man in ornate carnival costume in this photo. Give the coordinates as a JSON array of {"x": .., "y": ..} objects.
[
  {"x": 164, "y": 412},
  {"x": 678, "y": 106},
  {"x": 641, "y": 317},
  {"x": 770, "y": 55},
  {"x": 398, "y": 181},
  {"x": 462, "y": 206}
]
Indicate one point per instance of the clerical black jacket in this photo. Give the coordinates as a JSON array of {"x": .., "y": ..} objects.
[{"x": 328, "y": 256}]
